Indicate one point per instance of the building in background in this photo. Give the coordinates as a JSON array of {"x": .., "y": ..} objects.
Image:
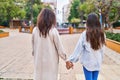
[
  {"x": 66, "y": 12},
  {"x": 61, "y": 7},
  {"x": 52, "y": 3}
]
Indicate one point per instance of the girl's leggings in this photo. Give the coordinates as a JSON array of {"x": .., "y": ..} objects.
[{"x": 90, "y": 75}]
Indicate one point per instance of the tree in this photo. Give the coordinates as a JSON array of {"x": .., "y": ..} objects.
[
  {"x": 110, "y": 10},
  {"x": 74, "y": 13},
  {"x": 114, "y": 13},
  {"x": 82, "y": 12},
  {"x": 75, "y": 22},
  {"x": 87, "y": 7},
  {"x": 33, "y": 9},
  {"x": 36, "y": 10},
  {"x": 9, "y": 9},
  {"x": 20, "y": 9}
]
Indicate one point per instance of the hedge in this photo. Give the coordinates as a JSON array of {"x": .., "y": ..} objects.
[
  {"x": 1, "y": 31},
  {"x": 116, "y": 24},
  {"x": 113, "y": 36}
]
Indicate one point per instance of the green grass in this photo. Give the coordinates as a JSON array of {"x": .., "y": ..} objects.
[{"x": 113, "y": 36}]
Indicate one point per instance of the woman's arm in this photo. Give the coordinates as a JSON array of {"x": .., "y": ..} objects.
[
  {"x": 77, "y": 51},
  {"x": 58, "y": 45}
]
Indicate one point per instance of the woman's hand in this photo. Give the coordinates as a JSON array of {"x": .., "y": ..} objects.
[{"x": 69, "y": 64}]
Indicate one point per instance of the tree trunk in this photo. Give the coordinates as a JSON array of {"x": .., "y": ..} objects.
[
  {"x": 81, "y": 13},
  {"x": 111, "y": 28},
  {"x": 32, "y": 12},
  {"x": 81, "y": 17}
]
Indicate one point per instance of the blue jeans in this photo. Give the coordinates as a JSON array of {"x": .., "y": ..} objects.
[{"x": 90, "y": 75}]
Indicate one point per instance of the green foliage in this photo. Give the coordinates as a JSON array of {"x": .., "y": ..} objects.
[
  {"x": 87, "y": 7},
  {"x": 37, "y": 7},
  {"x": 110, "y": 10},
  {"x": 113, "y": 36},
  {"x": 21, "y": 14},
  {"x": 114, "y": 11},
  {"x": 74, "y": 12},
  {"x": 116, "y": 24},
  {"x": 77, "y": 8},
  {"x": 1, "y": 31},
  {"x": 20, "y": 9},
  {"x": 28, "y": 10},
  {"x": 37, "y": 1},
  {"x": 75, "y": 20},
  {"x": 10, "y": 9},
  {"x": 36, "y": 11}
]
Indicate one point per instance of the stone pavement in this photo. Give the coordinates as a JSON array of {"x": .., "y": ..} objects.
[
  {"x": 16, "y": 61},
  {"x": 116, "y": 30}
]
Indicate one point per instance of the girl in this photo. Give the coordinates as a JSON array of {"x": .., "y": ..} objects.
[
  {"x": 89, "y": 48},
  {"x": 47, "y": 47}
]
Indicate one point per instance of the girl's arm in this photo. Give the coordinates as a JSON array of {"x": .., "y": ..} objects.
[
  {"x": 58, "y": 45},
  {"x": 77, "y": 51}
]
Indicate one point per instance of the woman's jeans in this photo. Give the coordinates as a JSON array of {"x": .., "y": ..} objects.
[{"x": 90, "y": 75}]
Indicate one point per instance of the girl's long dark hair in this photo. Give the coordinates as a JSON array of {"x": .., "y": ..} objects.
[
  {"x": 94, "y": 33},
  {"x": 45, "y": 20}
]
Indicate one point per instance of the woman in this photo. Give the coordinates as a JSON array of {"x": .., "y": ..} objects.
[
  {"x": 89, "y": 49},
  {"x": 47, "y": 47}
]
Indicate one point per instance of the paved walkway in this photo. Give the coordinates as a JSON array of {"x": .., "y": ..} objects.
[
  {"x": 116, "y": 30},
  {"x": 16, "y": 61}
]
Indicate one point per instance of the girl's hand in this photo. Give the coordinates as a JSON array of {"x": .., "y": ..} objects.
[{"x": 69, "y": 65}]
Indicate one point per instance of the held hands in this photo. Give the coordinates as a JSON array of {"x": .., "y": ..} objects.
[{"x": 69, "y": 64}]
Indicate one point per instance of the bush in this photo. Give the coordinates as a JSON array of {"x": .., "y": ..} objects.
[
  {"x": 1, "y": 31},
  {"x": 113, "y": 36},
  {"x": 116, "y": 24},
  {"x": 4, "y": 23}
]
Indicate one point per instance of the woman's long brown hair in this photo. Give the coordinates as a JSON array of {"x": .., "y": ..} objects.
[
  {"x": 45, "y": 20},
  {"x": 94, "y": 33}
]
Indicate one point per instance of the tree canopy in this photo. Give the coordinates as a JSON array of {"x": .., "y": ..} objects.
[
  {"x": 74, "y": 13},
  {"x": 87, "y": 7},
  {"x": 109, "y": 9},
  {"x": 9, "y": 10},
  {"x": 19, "y": 9}
]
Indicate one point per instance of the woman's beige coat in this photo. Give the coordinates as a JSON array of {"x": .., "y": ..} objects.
[{"x": 46, "y": 52}]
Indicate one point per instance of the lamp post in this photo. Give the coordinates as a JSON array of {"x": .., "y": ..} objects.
[{"x": 100, "y": 13}]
